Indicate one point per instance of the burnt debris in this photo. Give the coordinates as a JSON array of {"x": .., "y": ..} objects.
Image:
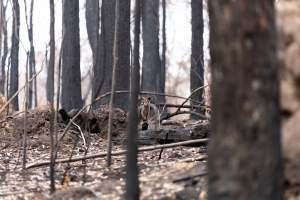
[{"x": 84, "y": 120}]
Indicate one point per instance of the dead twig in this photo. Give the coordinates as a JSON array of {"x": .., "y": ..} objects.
[{"x": 121, "y": 152}]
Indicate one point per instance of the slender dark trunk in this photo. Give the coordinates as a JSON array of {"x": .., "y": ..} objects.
[
  {"x": 14, "y": 69},
  {"x": 4, "y": 50},
  {"x": 71, "y": 78},
  {"x": 50, "y": 94},
  {"x": 51, "y": 65},
  {"x": 244, "y": 151},
  {"x": 92, "y": 25},
  {"x": 1, "y": 26},
  {"x": 113, "y": 84},
  {"x": 197, "y": 62},
  {"x": 164, "y": 49},
  {"x": 132, "y": 181},
  {"x": 32, "y": 85}
]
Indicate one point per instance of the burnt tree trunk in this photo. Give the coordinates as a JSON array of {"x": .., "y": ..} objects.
[
  {"x": 51, "y": 65},
  {"x": 164, "y": 49},
  {"x": 151, "y": 70},
  {"x": 14, "y": 55},
  {"x": 71, "y": 78},
  {"x": 4, "y": 49},
  {"x": 32, "y": 84},
  {"x": 123, "y": 64},
  {"x": 92, "y": 26},
  {"x": 244, "y": 151},
  {"x": 1, "y": 26},
  {"x": 132, "y": 181},
  {"x": 103, "y": 72},
  {"x": 50, "y": 94},
  {"x": 197, "y": 62}
]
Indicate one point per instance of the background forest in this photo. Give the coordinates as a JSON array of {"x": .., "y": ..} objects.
[
  {"x": 178, "y": 48},
  {"x": 149, "y": 99}
]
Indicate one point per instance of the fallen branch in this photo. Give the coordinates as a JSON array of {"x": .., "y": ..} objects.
[
  {"x": 186, "y": 178},
  {"x": 151, "y": 136},
  {"x": 146, "y": 93},
  {"x": 121, "y": 152},
  {"x": 182, "y": 106},
  {"x": 186, "y": 160},
  {"x": 203, "y": 117}
]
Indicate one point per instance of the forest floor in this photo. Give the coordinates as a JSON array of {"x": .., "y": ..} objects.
[
  {"x": 180, "y": 173},
  {"x": 175, "y": 176}
]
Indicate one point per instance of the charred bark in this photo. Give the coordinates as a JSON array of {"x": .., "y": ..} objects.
[
  {"x": 244, "y": 151},
  {"x": 4, "y": 49},
  {"x": 51, "y": 65},
  {"x": 32, "y": 85},
  {"x": 151, "y": 70},
  {"x": 132, "y": 181},
  {"x": 71, "y": 76},
  {"x": 14, "y": 55},
  {"x": 197, "y": 62},
  {"x": 164, "y": 49},
  {"x": 103, "y": 73}
]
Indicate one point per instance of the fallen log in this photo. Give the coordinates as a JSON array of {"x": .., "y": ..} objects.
[
  {"x": 116, "y": 153},
  {"x": 173, "y": 134}
]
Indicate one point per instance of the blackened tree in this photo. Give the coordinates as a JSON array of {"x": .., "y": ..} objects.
[
  {"x": 14, "y": 55},
  {"x": 71, "y": 77},
  {"x": 197, "y": 63},
  {"x": 244, "y": 151}
]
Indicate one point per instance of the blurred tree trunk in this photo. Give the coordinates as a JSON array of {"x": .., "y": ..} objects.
[
  {"x": 1, "y": 26},
  {"x": 244, "y": 151},
  {"x": 14, "y": 55},
  {"x": 164, "y": 49},
  {"x": 103, "y": 73},
  {"x": 92, "y": 26},
  {"x": 197, "y": 62},
  {"x": 151, "y": 74},
  {"x": 71, "y": 78},
  {"x": 5, "y": 47},
  {"x": 123, "y": 65},
  {"x": 32, "y": 84},
  {"x": 132, "y": 181},
  {"x": 51, "y": 65}
]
